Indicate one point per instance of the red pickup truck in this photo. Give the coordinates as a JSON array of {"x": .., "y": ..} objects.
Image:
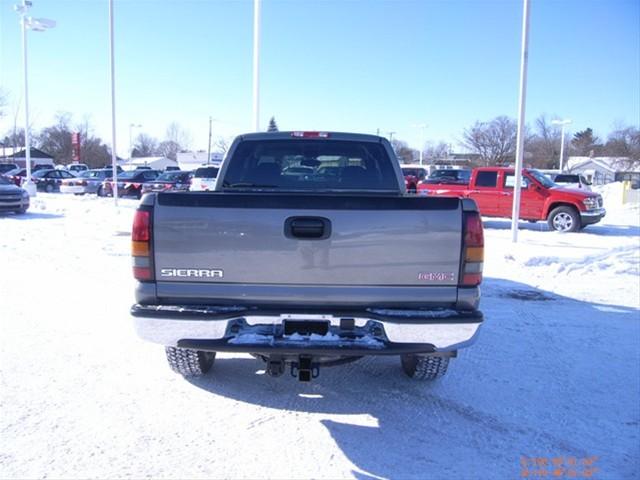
[{"x": 565, "y": 209}]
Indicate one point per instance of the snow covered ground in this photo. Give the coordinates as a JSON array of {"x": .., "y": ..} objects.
[{"x": 553, "y": 379}]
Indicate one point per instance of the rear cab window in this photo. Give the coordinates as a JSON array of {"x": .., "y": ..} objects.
[
  {"x": 510, "y": 181},
  {"x": 487, "y": 179},
  {"x": 311, "y": 165},
  {"x": 206, "y": 172}
]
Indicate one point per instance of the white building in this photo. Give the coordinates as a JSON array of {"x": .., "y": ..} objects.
[
  {"x": 192, "y": 160},
  {"x": 17, "y": 156},
  {"x": 600, "y": 170},
  {"x": 156, "y": 163}
]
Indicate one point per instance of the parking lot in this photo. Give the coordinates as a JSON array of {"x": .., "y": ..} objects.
[{"x": 556, "y": 367}]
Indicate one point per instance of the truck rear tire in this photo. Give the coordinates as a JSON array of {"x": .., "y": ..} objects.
[
  {"x": 424, "y": 367},
  {"x": 189, "y": 363},
  {"x": 564, "y": 219}
]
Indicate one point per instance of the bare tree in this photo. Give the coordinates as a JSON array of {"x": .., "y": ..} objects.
[
  {"x": 624, "y": 142},
  {"x": 144, "y": 146},
  {"x": 223, "y": 144},
  {"x": 176, "y": 140},
  {"x": 15, "y": 138},
  {"x": 175, "y": 133},
  {"x": 403, "y": 152},
  {"x": 494, "y": 141},
  {"x": 56, "y": 139},
  {"x": 436, "y": 151},
  {"x": 544, "y": 145}
]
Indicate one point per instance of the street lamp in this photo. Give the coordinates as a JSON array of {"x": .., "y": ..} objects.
[
  {"x": 131, "y": 127},
  {"x": 423, "y": 126},
  {"x": 562, "y": 123},
  {"x": 37, "y": 25}
]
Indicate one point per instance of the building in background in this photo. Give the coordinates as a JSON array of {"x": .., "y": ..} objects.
[
  {"x": 155, "y": 163},
  {"x": 601, "y": 170},
  {"x": 193, "y": 160},
  {"x": 17, "y": 156}
]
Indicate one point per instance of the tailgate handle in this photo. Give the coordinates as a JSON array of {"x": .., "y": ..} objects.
[{"x": 307, "y": 228}]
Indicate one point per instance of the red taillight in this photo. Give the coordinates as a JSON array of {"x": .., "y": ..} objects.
[
  {"x": 141, "y": 246},
  {"x": 142, "y": 273},
  {"x": 472, "y": 251},
  {"x": 310, "y": 134},
  {"x": 141, "y": 224}
]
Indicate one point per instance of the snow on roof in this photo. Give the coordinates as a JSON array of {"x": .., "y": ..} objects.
[
  {"x": 19, "y": 152},
  {"x": 610, "y": 164}
]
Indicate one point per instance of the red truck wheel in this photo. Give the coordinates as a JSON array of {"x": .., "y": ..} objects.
[{"x": 564, "y": 219}]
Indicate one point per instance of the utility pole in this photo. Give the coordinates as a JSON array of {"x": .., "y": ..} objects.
[
  {"x": 209, "y": 149},
  {"x": 391, "y": 135}
]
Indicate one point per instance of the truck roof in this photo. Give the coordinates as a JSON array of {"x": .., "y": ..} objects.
[{"x": 329, "y": 135}]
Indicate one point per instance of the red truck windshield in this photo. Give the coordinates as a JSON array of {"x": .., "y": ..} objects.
[
  {"x": 542, "y": 178},
  {"x": 310, "y": 165}
]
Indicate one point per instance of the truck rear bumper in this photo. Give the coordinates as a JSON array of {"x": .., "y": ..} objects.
[{"x": 255, "y": 330}]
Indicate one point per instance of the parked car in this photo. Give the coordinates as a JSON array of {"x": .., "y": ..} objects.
[
  {"x": 172, "y": 168},
  {"x": 459, "y": 176},
  {"x": 169, "y": 181},
  {"x": 204, "y": 178},
  {"x": 12, "y": 197},
  {"x": 42, "y": 166},
  {"x": 50, "y": 180},
  {"x": 6, "y": 167},
  {"x": 77, "y": 167},
  {"x": 413, "y": 174},
  {"x": 88, "y": 181},
  {"x": 572, "y": 180},
  {"x": 564, "y": 209},
  {"x": 129, "y": 183},
  {"x": 107, "y": 166},
  {"x": 304, "y": 271},
  {"x": 16, "y": 175}
]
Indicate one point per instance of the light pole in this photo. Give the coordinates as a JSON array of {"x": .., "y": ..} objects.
[
  {"x": 37, "y": 25},
  {"x": 131, "y": 127},
  {"x": 256, "y": 65},
  {"x": 114, "y": 157},
  {"x": 209, "y": 145},
  {"x": 562, "y": 123},
  {"x": 422, "y": 126},
  {"x": 524, "y": 58}
]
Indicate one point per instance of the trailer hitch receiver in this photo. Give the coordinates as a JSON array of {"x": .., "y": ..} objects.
[{"x": 305, "y": 369}]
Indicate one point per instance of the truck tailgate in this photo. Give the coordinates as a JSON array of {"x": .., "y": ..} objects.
[{"x": 244, "y": 241}]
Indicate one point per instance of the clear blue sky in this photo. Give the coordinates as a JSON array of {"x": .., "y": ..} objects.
[{"x": 327, "y": 65}]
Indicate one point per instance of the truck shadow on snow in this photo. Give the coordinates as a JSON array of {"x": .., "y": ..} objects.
[
  {"x": 532, "y": 384},
  {"x": 596, "y": 229}
]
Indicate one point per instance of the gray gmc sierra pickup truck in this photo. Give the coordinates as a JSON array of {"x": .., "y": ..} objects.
[{"x": 308, "y": 253}]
